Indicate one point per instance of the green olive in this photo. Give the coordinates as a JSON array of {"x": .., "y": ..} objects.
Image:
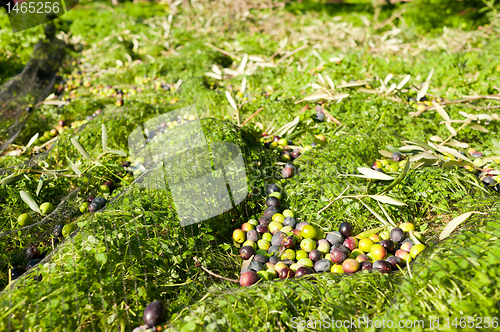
[
  {"x": 84, "y": 207},
  {"x": 25, "y": 219},
  {"x": 46, "y": 208},
  {"x": 68, "y": 229}
]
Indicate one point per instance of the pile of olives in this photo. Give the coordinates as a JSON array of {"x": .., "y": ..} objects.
[
  {"x": 280, "y": 246},
  {"x": 287, "y": 154},
  {"x": 421, "y": 104},
  {"x": 393, "y": 164}
]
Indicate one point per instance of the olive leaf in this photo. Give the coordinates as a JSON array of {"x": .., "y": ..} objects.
[
  {"x": 104, "y": 138},
  {"x": 399, "y": 178},
  {"x": 231, "y": 100},
  {"x": 118, "y": 152},
  {"x": 455, "y": 222},
  {"x": 403, "y": 82},
  {"x": 385, "y": 153},
  {"x": 74, "y": 167},
  {"x": 409, "y": 148},
  {"x": 30, "y": 201},
  {"x": 11, "y": 179},
  {"x": 387, "y": 199},
  {"x": 479, "y": 127},
  {"x": 289, "y": 127},
  {"x": 386, "y": 214},
  {"x": 423, "y": 90},
  {"x": 378, "y": 216},
  {"x": 40, "y": 185},
  {"x": 372, "y": 174},
  {"x": 32, "y": 140},
  {"x": 316, "y": 97},
  {"x": 453, "y": 152},
  {"x": 80, "y": 148}
]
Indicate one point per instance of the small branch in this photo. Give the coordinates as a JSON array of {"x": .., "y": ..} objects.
[
  {"x": 198, "y": 264},
  {"x": 251, "y": 116},
  {"x": 339, "y": 196},
  {"x": 331, "y": 117},
  {"x": 451, "y": 136},
  {"x": 482, "y": 108},
  {"x": 292, "y": 53},
  {"x": 494, "y": 97},
  {"x": 223, "y": 51}
]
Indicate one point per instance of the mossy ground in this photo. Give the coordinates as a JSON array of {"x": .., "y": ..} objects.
[{"x": 134, "y": 252}]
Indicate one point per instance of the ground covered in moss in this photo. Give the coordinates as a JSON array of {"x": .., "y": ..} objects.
[{"x": 377, "y": 73}]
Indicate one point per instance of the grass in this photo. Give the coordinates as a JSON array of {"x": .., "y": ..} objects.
[{"x": 133, "y": 251}]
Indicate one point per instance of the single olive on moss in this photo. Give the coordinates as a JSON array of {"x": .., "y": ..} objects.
[
  {"x": 25, "y": 219},
  {"x": 57, "y": 230},
  {"x": 32, "y": 253},
  {"x": 46, "y": 208},
  {"x": 68, "y": 229},
  {"x": 154, "y": 313}
]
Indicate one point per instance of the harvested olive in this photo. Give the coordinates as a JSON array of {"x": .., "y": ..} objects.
[
  {"x": 350, "y": 266},
  {"x": 323, "y": 265},
  {"x": 286, "y": 273},
  {"x": 346, "y": 229},
  {"x": 154, "y": 313},
  {"x": 315, "y": 255},
  {"x": 274, "y": 259},
  {"x": 32, "y": 253},
  {"x": 253, "y": 235},
  {"x": 395, "y": 262},
  {"x": 366, "y": 265},
  {"x": 303, "y": 271},
  {"x": 388, "y": 245},
  {"x": 248, "y": 278},
  {"x": 25, "y": 219},
  {"x": 272, "y": 201},
  {"x": 264, "y": 220},
  {"x": 46, "y": 208},
  {"x": 287, "y": 172},
  {"x": 382, "y": 266},
  {"x": 57, "y": 231},
  {"x": 290, "y": 221},
  {"x": 397, "y": 156},
  {"x": 489, "y": 181},
  {"x": 296, "y": 153},
  {"x": 261, "y": 259},
  {"x": 397, "y": 234},
  {"x": 335, "y": 238},
  {"x": 255, "y": 266},
  {"x": 246, "y": 252},
  {"x": 270, "y": 211}
]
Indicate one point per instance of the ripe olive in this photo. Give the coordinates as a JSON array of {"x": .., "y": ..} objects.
[
  {"x": 346, "y": 229},
  {"x": 154, "y": 313}
]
